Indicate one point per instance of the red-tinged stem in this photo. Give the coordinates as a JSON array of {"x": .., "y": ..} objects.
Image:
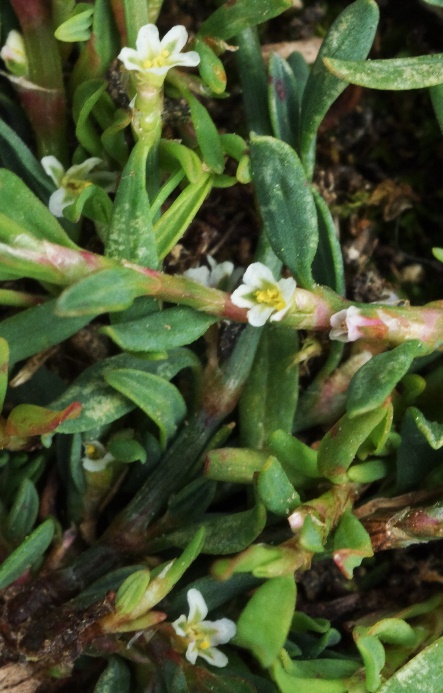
[{"x": 45, "y": 105}]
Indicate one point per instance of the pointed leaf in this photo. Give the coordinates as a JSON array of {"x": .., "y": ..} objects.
[
  {"x": 398, "y": 73},
  {"x": 23, "y": 513},
  {"x": 32, "y": 548},
  {"x": 284, "y": 105}
]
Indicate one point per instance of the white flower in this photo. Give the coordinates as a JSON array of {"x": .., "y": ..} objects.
[
  {"x": 14, "y": 54},
  {"x": 96, "y": 458},
  {"x": 73, "y": 181},
  {"x": 202, "y": 636},
  {"x": 263, "y": 295},
  {"x": 213, "y": 276},
  {"x": 351, "y": 324},
  {"x": 153, "y": 58}
]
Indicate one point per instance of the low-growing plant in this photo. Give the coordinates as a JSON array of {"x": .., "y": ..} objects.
[{"x": 182, "y": 436}]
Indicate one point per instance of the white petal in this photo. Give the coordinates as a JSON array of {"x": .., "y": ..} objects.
[
  {"x": 148, "y": 42},
  {"x": 280, "y": 314},
  {"x": 259, "y": 314},
  {"x": 178, "y": 625},
  {"x": 257, "y": 274},
  {"x": 80, "y": 171},
  {"x": 197, "y": 606},
  {"x": 192, "y": 652},
  {"x": 189, "y": 59},
  {"x": 214, "y": 657},
  {"x": 338, "y": 335},
  {"x": 53, "y": 168},
  {"x": 220, "y": 272},
  {"x": 240, "y": 297},
  {"x": 60, "y": 199},
  {"x": 220, "y": 632},
  {"x": 130, "y": 59},
  {"x": 95, "y": 465},
  {"x": 337, "y": 320},
  {"x": 198, "y": 274},
  {"x": 175, "y": 39},
  {"x": 287, "y": 288}
]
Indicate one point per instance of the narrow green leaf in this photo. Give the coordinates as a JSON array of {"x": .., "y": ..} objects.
[
  {"x": 207, "y": 134},
  {"x": 327, "y": 266},
  {"x": 86, "y": 97},
  {"x": 286, "y": 204},
  {"x": 175, "y": 221},
  {"x": 161, "y": 331},
  {"x": 23, "y": 513},
  {"x": 264, "y": 623},
  {"x": 284, "y": 105},
  {"x": 349, "y": 38},
  {"x": 373, "y": 654},
  {"x": 101, "y": 403},
  {"x": 254, "y": 82},
  {"x": 275, "y": 489},
  {"x": 374, "y": 381},
  {"x": 101, "y": 292},
  {"x": 19, "y": 204},
  {"x": 131, "y": 234},
  {"x": 398, "y": 73},
  {"x": 211, "y": 67},
  {"x": 46, "y": 327},
  {"x": 78, "y": 26},
  {"x": 160, "y": 400},
  {"x": 32, "y": 548},
  {"x": 232, "y": 17},
  {"x": 341, "y": 443},
  {"x": 422, "y": 673},
  {"x": 116, "y": 677},
  {"x": 4, "y": 364},
  {"x": 432, "y": 430},
  {"x": 18, "y": 158},
  {"x": 171, "y": 151}
]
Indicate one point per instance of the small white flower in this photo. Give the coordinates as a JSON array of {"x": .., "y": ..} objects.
[
  {"x": 212, "y": 276},
  {"x": 96, "y": 458},
  {"x": 201, "y": 636},
  {"x": 14, "y": 54},
  {"x": 351, "y": 324},
  {"x": 73, "y": 181},
  {"x": 265, "y": 297},
  {"x": 153, "y": 58}
]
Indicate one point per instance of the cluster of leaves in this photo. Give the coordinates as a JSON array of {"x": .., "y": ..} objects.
[{"x": 88, "y": 552}]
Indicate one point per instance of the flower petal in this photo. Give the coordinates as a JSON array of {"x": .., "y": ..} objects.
[
  {"x": 214, "y": 657},
  {"x": 192, "y": 652},
  {"x": 148, "y": 42},
  {"x": 239, "y": 297},
  {"x": 257, "y": 274},
  {"x": 81, "y": 171},
  {"x": 175, "y": 39},
  {"x": 258, "y": 315},
  {"x": 287, "y": 287},
  {"x": 197, "y": 605},
  {"x": 53, "y": 168},
  {"x": 219, "y": 632},
  {"x": 189, "y": 59},
  {"x": 60, "y": 199},
  {"x": 178, "y": 625},
  {"x": 130, "y": 59},
  {"x": 198, "y": 274}
]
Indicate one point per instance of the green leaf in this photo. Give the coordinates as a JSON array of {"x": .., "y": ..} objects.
[
  {"x": 237, "y": 465},
  {"x": 394, "y": 631},
  {"x": 45, "y": 326},
  {"x": 24, "y": 512},
  {"x": 398, "y": 73},
  {"x": 352, "y": 544},
  {"x": 341, "y": 443},
  {"x": 415, "y": 458},
  {"x": 127, "y": 451},
  {"x": 327, "y": 266},
  {"x": 286, "y": 204},
  {"x": 78, "y": 26},
  {"x": 207, "y": 134},
  {"x": 171, "y": 151},
  {"x": 298, "y": 459},
  {"x": 422, "y": 673},
  {"x": 101, "y": 403},
  {"x": 94, "y": 203},
  {"x": 349, "y": 38},
  {"x": 131, "y": 235},
  {"x": 432, "y": 430},
  {"x": 175, "y": 221},
  {"x": 16, "y": 157},
  {"x": 160, "y": 331},
  {"x": 269, "y": 398},
  {"x": 232, "y": 17},
  {"x": 373, "y": 654},
  {"x": 284, "y": 106},
  {"x": 254, "y": 82},
  {"x": 32, "y": 548},
  {"x": 86, "y": 97},
  {"x": 4, "y": 363},
  {"x": 101, "y": 292},
  {"x": 210, "y": 67},
  {"x": 116, "y": 677},
  {"x": 264, "y": 623},
  {"x": 132, "y": 591},
  {"x": 19, "y": 204},
  {"x": 31, "y": 420},
  {"x": 160, "y": 400},
  {"x": 374, "y": 381},
  {"x": 275, "y": 489}
]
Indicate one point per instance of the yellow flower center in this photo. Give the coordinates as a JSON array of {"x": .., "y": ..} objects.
[
  {"x": 92, "y": 452},
  {"x": 158, "y": 61},
  {"x": 271, "y": 297}
]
